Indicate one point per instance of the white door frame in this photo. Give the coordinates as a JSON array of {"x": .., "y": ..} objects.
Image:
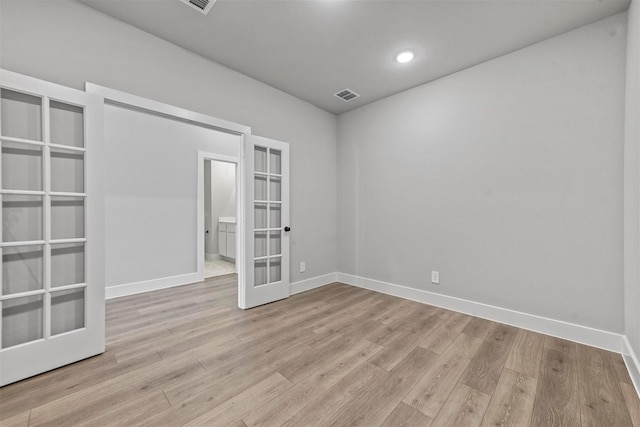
[
  {"x": 117, "y": 97},
  {"x": 239, "y": 184}
]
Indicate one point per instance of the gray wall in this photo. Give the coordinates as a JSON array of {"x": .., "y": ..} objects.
[
  {"x": 632, "y": 182},
  {"x": 68, "y": 43},
  {"x": 220, "y": 187},
  {"x": 505, "y": 177},
  {"x": 151, "y": 194}
]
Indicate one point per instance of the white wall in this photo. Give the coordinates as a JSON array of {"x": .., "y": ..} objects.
[
  {"x": 68, "y": 43},
  {"x": 222, "y": 199},
  {"x": 505, "y": 177},
  {"x": 632, "y": 184}
]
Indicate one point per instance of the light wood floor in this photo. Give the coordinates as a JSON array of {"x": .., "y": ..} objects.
[{"x": 336, "y": 355}]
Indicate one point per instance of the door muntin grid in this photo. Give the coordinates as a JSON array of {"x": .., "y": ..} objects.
[
  {"x": 267, "y": 206},
  {"x": 43, "y": 240}
]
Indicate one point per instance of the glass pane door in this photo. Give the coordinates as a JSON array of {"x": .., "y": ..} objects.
[
  {"x": 267, "y": 189},
  {"x": 51, "y": 312},
  {"x": 43, "y": 217}
]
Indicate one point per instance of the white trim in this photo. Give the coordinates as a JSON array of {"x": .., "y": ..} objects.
[
  {"x": 582, "y": 334},
  {"x": 23, "y": 243},
  {"x": 633, "y": 365},
  {"x": 68, "y": 148},
  {"x": 186, "y": 279},
  {"x": 242, "y": 213},
  {"x": 23, "y": 192},
  {"x": 40, "y": 88},
  {"x": 161, "y": 108},
  {"x": 22, "y": 295},
  {"x": 150, "y": 285},
  {"x": 312, "y": 283},
  {"x": 21, "y": 141}
]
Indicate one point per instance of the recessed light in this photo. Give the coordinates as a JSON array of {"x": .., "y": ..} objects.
[{"x": 405, "y": 56}]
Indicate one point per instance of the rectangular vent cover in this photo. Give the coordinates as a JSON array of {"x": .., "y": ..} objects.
[
  {"x": 202, "y": 6},
  {"x": 346, "y": 95}
]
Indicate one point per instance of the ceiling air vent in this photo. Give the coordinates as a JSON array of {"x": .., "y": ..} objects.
[
  {"x": 202, "y": 6},
  {"x": 346, "y": 95}
]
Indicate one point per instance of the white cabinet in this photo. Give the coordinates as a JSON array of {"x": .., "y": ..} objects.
[
  {"x": 227, "y": 237},
  {"x": 222, "y": 239}
]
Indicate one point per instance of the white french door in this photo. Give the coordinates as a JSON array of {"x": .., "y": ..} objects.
[
  {"x": 52, "y": 273},
  {"x": 266, "y": 266}
]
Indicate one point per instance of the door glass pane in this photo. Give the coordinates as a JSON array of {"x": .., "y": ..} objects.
[
  {"x": 21, "y": 166},
  {"x": 67, "y": 264},
  {"x": 260, "y": 272},
  {"x": 260, "y": 215},
  {"x": 275, "y": 189},
  {"x": 21, "y": 320},
  {"x": 67, "y": 311},
  {"x": 275, "y": 219},
  {"x": 67, "y": 171},
  {"x": 22, "y": 269},
  {"x": 260, "y": 187},
  {"x": 260, "y": 244},
  {"x": 67, "y": 124},
  {"x": 67, "y": 217},
  {"x": 22, "y": 218},
  {"x": 275, "y": 243},
  {"x": 275, "y": 161},
  {"x": 275, "y": 270},
  {"x": 260, "y": 159},
  {"x": 21, "y": 115}
]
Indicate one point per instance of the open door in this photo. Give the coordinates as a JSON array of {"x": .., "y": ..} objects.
[
  {"x": 52, "y": 269},
  {"x": 266, "y": 166}
]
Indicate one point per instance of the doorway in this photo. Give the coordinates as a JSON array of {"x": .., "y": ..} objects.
[{"x": 220, "y": 213}]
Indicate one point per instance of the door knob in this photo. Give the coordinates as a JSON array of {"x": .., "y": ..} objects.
[{"x": 287, "y": 229}]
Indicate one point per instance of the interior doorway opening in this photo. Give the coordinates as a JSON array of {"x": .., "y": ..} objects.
[{"x": 220, "y": 218}]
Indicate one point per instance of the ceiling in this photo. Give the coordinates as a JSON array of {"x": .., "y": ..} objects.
[{"x": 312, "y": 49}]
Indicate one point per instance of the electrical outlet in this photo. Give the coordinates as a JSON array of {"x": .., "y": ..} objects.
[
  {"x": 435, "y": 277},
  {"x": 303, "y": 267}
]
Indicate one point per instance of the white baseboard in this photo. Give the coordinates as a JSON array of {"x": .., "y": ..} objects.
[
  {"x": 151, "y": 285},
  {"x": 633, "y": 365},
  {"x": 569, "y": 331},
  {"x": 185, "y": 279},
  {"x": 314, "y": 282}
]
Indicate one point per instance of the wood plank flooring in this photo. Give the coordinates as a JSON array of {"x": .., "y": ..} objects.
[{"x": 333, "y": 356}]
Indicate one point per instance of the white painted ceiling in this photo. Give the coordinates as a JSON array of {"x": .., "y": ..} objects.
[{"x": 313, "y": 48}]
